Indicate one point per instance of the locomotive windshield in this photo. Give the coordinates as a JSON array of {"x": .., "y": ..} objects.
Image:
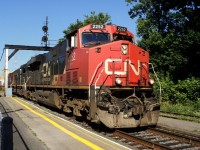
[
  {"x": 117, "y": 37},
  {"x": 94, "y": 38}
]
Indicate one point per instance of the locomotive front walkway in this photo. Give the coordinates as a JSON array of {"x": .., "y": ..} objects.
[{"x": 35, "y": 129}]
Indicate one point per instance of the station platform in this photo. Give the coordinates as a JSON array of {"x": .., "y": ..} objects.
[{"x": 35, "y": 129}]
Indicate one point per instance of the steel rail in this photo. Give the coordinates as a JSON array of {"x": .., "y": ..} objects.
[
  {"x": 178, "y": 114},
  {"x": 142, "y": 141},
  {"x": 187, "y": 138}
]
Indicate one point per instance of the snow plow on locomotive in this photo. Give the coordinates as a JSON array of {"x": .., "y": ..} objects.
[{"x": 97, "y": 72}]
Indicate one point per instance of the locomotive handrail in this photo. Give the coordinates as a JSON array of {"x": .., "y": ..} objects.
[
  {"x": 95, "y": 72},
  {"x": 26, "y": 82},
  {"x": 95, "y": 85},
  {"x": 160, "y": 88},
  {"x": 11, "y": 84},
  {"x": 98, "y": 78},
  {"x": 94, "y": 76}
]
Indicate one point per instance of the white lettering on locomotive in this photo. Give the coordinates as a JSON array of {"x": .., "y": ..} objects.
[
  {"x": 46, "y": 69},
  {"x": 110, "y": 72}
]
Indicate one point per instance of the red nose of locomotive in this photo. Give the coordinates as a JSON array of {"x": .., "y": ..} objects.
[
  {"x": 116, "y": 72},
  {"x": 120, "y": 63}
]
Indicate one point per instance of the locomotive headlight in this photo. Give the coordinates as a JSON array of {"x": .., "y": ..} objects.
[
  {"x": 118, "y": 81},
  {"x": 124, "y": 49},
  {"x": 151, "y": 81}
]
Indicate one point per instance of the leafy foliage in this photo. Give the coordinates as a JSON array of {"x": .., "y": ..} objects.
[
  {"x": 190, "y": 109},
  {"x": 170, "y": 31},
  {"x": 73, "y": 26},
  {"x": 100, "y": 18},
  {"x": 185, "y": 91}
]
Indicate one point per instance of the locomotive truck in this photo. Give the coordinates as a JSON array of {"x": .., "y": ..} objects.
[{"x": 97, "y": 72}]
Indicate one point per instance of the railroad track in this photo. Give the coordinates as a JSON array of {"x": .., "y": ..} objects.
[
  {"x": 194, "y": 118},
  {"x": 178, "y": 114},
  {"x": 159, "y": 139}
]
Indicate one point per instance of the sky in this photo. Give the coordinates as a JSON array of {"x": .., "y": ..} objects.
[{"x": 21, "y": 22}]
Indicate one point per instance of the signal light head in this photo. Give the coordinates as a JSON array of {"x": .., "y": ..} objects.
[
  {"x": 44, "y": 38},
  {"x": 45, "y": 28}
]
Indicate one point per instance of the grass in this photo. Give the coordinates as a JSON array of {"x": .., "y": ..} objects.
[{"x": 192, "y": 109}]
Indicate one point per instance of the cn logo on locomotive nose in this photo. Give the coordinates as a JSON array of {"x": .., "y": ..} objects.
[
  {"x": 46, "y": 70},
  {"x": 110, "y": 72}
]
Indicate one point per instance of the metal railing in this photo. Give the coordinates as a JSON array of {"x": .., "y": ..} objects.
[
  {"x": 93, "y": 76},
  {"x": 160, "y": 87}
]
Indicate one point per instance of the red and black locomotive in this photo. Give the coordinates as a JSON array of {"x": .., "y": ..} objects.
[{"x": 96, "y": 72}]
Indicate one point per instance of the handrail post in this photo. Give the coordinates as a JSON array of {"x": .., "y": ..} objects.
[{"x": 160, "y": 88}]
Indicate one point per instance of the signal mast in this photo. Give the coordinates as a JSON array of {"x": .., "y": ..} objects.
[{"x": 45, "y": 29}]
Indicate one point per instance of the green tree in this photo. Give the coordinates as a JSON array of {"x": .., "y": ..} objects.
[
  {"x": 72, "y": 27},
  {"x": 100, "y": 18},
  {"x": 170, "y": 31}
]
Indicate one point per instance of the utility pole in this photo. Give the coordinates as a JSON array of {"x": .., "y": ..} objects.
[
  {"x": 6, "y": 69},
  {"x": 8, "y": 91}
]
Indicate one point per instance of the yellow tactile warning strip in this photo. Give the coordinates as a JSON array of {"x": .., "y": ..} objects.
[{"x": 84, "y": 141}]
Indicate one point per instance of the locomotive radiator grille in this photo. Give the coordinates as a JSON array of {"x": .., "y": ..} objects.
[
  {"x": 75, "y": 77},
  {"x": 68, "y": 78}
]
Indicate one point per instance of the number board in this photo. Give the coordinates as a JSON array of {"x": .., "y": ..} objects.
[
  {"x": 121, "y": 29},
  {"x": 96, "y": 26}
]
